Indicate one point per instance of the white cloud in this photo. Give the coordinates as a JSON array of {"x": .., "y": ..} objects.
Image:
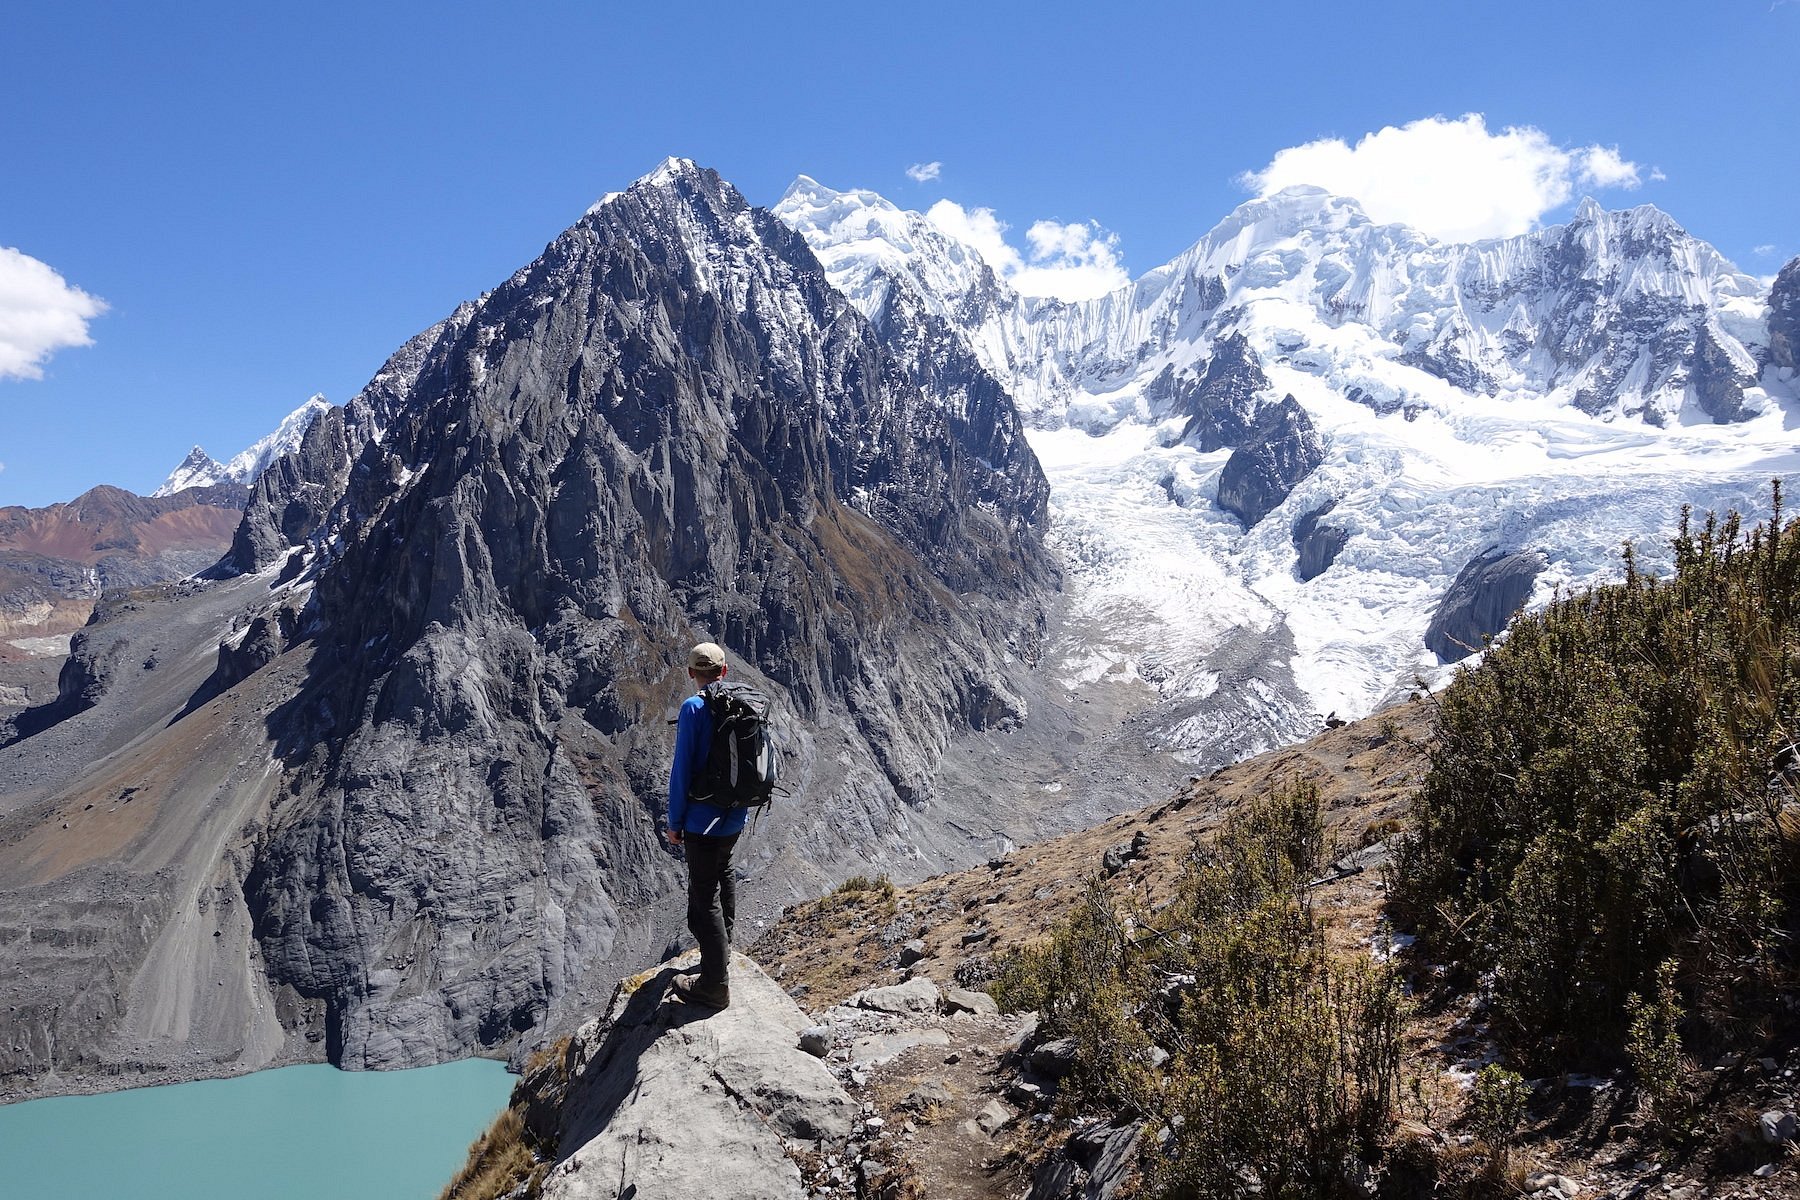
[
  {"x": 40, "y": 313},
  {"x": 1074, "y": 261},
  {"x": 925, "y": 172},
  {"x": 1764, "y": 250},
  {"x": 1603, "y": 166},
  {"x": 1451, "y": 179},
  {"x": 1656, "y": 175}
]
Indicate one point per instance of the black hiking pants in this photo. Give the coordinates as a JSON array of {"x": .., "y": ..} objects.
[{"x": 712, "y": 901}]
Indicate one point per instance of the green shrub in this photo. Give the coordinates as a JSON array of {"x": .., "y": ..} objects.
[
  {"x": 1605, "y": 793},
  {"x": 1282, "y": 1063},
  {"x": 1497, "y": 1113},
  {"x": 860, "y": 889},
  {"x": 1653, "y": 1043}
]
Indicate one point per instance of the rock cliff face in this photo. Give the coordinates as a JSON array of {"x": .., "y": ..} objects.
[
  {"x": 1318, "y": 543},
  {"x": 1283, "y": 448},
  {"x": 294, "y": 494},
  {"x": 1784, "y": 317},
  {"x": 1221, "y": 403},
  {"x": 668, "y": 427}
]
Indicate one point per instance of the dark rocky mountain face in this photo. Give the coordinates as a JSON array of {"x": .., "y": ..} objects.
[
  {"x": 1317, "y": 542},
  {"x": 1481, "y": 601},
  {"x": 1283, "y": 448},
  {"x": 1221, "y": 402},
  {"x": 669, "y": 427},
  {"x": 1784, "y": 317}
]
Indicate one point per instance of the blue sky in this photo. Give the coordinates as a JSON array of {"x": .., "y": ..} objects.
[{"x": 270, "y": 198}]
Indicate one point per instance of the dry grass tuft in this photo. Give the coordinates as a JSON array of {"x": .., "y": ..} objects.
[{"x": 500, "y": 1162}]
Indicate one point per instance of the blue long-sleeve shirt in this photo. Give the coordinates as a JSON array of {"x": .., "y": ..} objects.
[{"x": 693, "y": 742}]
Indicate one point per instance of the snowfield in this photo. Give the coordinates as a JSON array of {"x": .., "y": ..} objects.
[{"x": 1565, "y": 391}]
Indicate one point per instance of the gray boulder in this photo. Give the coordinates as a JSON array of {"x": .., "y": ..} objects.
[
  {"x": 1778, "y": 1127},
  {"x": 994, "y": 1116},
  {"x": 915, "y": 997},
  {"x": 1486, "y": 593},
  {"x": 1093, "y": 1164},
  {"x": 962, "y": 1000},
  {"x": 1115, "y": 858},
  {"x": 1282, "y": 449},
  {"x": 1054, "y": 1059}
]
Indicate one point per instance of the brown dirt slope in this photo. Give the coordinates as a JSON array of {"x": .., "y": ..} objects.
[{"x": 824, "y": 950}]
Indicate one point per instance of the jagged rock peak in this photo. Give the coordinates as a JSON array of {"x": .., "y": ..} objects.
[
  {"x": 672, "y": 171},
  {"x": 1221, "y": 404},
  {"x": 200, "y": 469}
]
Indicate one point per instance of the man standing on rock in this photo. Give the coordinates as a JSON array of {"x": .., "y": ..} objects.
[{"x": 707, "y": 834}]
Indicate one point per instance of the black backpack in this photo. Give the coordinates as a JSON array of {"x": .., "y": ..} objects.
[{"x": 740, "y": 768}]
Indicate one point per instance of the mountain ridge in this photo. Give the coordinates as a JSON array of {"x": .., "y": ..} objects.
[{"x": 1469, "y": 397}]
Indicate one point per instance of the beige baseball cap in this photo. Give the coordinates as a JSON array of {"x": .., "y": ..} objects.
[{"x": 707, "y": 656}]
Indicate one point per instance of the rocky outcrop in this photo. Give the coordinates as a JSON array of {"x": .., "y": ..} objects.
[
  {"x": 1717, "y": 379},
  {"x": 1784, "y": 317},
  {"x": 1317, "y": 544},
  {"x": 1484, "y": 596},
  {"x": 1283, "y": 448},
  {"x": 1220, "y": 403},
  {"x": 658, "y": 1098},
  {"x": 93, "y": 659},
  {"x": 291, "y": 498}
]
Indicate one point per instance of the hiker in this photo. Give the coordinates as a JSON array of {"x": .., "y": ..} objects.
[{"x": 707, "y": 834}]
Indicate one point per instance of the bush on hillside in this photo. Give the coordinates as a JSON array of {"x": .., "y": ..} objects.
[
  {"x": 1612, "y": 788},
  {"x": 1282, "y": 1063}
]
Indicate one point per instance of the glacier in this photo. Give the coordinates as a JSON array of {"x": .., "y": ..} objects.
[{"x": 1563, "y": 391}]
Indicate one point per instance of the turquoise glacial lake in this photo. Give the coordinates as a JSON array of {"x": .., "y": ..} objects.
[{"x": 294, "y": 1133}]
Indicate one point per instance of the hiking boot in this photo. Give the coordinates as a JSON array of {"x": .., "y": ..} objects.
[{"x": 705, "y": 995}]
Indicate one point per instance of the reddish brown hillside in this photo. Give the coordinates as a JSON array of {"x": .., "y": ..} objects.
[
  {"x": 110, "y": 521},
  {"x": 55, "y": 562}
]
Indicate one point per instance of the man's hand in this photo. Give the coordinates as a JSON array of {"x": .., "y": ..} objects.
[{"x": 674, "y": 836}]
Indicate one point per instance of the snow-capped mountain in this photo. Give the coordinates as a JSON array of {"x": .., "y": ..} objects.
[
  {"x": 1531, "y": 401},
  {"x": 200, "y": 469}
]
